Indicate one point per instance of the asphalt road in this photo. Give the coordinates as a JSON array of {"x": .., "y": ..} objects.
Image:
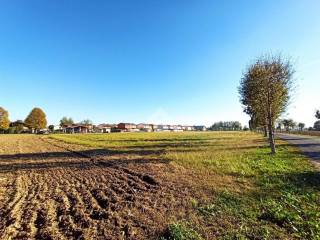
[{"x": 310, "y": 146}]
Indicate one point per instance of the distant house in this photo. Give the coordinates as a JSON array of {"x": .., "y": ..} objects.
[
  {"x": 145, "y": 127},
  {"x": 104, "y": 128},
  {"x": 163, "y": 128},
  {"x": 154, "y": 127},
  {"x": 43, "y": 131},
  {"x": 179, "y": 128},
  {"x": 200, "y": 128},
  {"x": 158, "y": 128},
  {"x": 77, "y": 128},
  {"x": 187, "y": 128},
  {"x": 58, "y": 129},
  {"x": 175, "y": 128},
  {"x": 19, "y": 127},
  {"x": 17, "y": 123},
  {"x": 128, "y": 127}
]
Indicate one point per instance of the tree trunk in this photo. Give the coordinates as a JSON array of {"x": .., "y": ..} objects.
[
  {"x": 270, "y": 125},
  {"x": 265, "y": 131},
  {"x": 271, "y": 136},
  {"x": 272, "y": 143},
  {"x": 250, "y": 124}
]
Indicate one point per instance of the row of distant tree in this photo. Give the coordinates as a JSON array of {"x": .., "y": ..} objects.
[
  {"x": 290, "y": 124},
  {"x": 226, "y": 126},
  {"x": 65, "y": 121},
  {"x": 35, "y": 121},
  {"x": 282, "y": 124}
]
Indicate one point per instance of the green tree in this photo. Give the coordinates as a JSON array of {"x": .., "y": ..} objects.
[
  {"x": 245, "y": 128},
  {"x": 293, "y": 125},
  {"x": 36, "y": 119},
  {"x": 279, "y": 125},
  {"x": 316, "y": 125},
  {"x": 226, "y": 126},
  {"x": 51, "y": 128},
  {"x": 86, "y": 122},
  {"x": 301, "y": 126},
  {"x": 249, "y": 100},
  {"x": 288, "y": 124},
  {"x": 65, "y": 121},
  {"x": 317, "y": 114},
  {"x": 265, "y": 91},
  {"x": 4, "y": 120}
]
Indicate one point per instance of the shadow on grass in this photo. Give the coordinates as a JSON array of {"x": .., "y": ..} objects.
[
  {"x": 300, "y": 180},
  {"x": 139, "y": 154},
  {"x": 78, "y": 164},
  {"x": 314, "y": 155},
  {"x": 71, "y": 154},
  {"x": 173, "y": 145},
  {"x": 160, "y": 140}
]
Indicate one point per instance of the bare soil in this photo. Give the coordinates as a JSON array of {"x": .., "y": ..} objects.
[{"x": 52, "y": 190}]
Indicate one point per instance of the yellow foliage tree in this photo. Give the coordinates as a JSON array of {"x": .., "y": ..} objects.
[
  {"x": 4, "y": 120},
  {"x": 36, "y": 119}
]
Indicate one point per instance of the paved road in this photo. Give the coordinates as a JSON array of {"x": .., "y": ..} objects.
[{"x": 310, "y": 146}]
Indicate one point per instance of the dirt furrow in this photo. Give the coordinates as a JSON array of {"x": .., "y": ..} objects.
[
  {"x": 15, "y": 208},
  {"x": 56, "y": 191}
]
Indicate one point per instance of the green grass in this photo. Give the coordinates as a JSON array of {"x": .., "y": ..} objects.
[
  {"x": 284, "y": 201},
  {"x": 181, "y": 231},
  {"x": 253, "y": 195},
  {"x": 122, "y": 140}
]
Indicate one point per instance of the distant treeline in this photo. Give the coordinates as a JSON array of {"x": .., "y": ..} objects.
[
  {"x": 227, "y": 126},
  {"x": 35, "y": 121}
]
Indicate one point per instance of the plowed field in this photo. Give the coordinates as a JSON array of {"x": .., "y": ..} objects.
[{"x": 49, "y": 192}]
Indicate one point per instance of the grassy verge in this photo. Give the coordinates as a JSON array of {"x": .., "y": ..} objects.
[
  {"x": 253, "y": 195},
  {"x": 283, "y": 202}
]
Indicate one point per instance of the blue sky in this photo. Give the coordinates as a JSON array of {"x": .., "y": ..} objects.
[{"x": 151, "y": 61}]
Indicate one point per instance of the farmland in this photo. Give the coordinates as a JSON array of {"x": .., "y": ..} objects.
[{"x": 192, "y": 185}]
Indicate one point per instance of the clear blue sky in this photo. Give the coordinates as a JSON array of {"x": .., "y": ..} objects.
[{"x": 160, "y": 61}]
